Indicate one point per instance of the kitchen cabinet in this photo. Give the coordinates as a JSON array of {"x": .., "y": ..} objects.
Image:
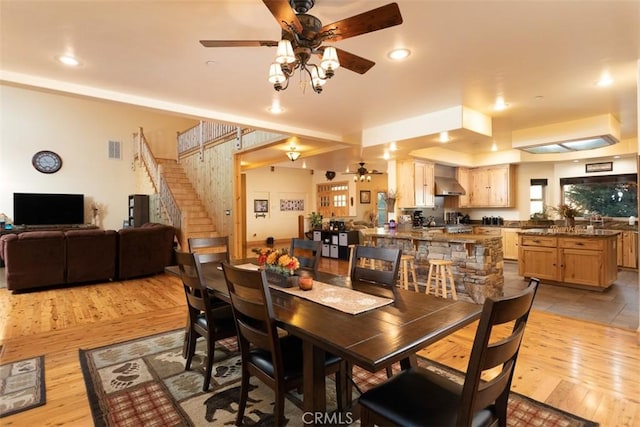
[
  {"x": 463, "y": 177},
  {"x": 574, "y": 260},
  {"x": 538, "y": 257},
  {"x": 627, "y": 255},
  {"x": 493, "y": 186},
  {"x": 415, "y": 183},
  {"x": 487, "y": 231},
  {"x": 510, "y": 243},
  {"x": 487, "y": 187}
]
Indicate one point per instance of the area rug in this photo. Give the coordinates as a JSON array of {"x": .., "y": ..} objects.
[
  {"x": 143, "y": 382},
  {"x": 21, "y": 385}
]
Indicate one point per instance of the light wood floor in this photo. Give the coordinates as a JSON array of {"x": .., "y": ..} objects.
[{"x": 590, "y": 369}]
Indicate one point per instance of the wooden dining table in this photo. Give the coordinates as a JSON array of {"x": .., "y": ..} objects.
[{"x": 373, "y": 340}]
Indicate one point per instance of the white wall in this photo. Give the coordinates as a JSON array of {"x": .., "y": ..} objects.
[
  {"x": 281, "y": 184},
  {"x": 78, "y": 129}
]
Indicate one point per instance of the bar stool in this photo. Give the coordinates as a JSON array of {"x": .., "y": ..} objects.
[
  {"x": 407, "y": 265},
  {"x": 440, "y": 272}
]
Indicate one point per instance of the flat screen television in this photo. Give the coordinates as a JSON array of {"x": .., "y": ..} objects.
[{"x": 48, "y": 209}]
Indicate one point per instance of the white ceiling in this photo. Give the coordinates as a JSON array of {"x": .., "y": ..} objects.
[{"x": 542, "y": 56}]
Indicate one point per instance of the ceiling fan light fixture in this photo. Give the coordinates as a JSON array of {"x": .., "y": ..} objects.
[
  {"x": 330, "y": 60},
  {"x": 284, "y": 53},
  {"x": 276, "y": 76}
]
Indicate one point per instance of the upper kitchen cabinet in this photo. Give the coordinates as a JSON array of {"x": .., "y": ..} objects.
[
  {"x": 488, "y": 187},
  {"x": 415, "y": 184}
]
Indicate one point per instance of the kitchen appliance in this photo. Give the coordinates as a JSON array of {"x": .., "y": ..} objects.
[{"x": 418, "y": 219}]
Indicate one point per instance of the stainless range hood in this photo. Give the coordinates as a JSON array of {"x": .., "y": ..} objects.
[{"x": 446, "y": 186}]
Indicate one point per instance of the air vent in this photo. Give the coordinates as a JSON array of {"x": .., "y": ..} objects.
[{"x": 115, "y": 151}]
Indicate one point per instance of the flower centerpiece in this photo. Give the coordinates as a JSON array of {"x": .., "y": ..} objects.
[{"x": 278, "y": 265}]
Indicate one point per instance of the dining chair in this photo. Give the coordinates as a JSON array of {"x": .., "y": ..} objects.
[
  {"x": 418, "y": 396},
  {"x": 205, "y": 320},
  {"x": 364, "y": 266},
  {"x": 210, "y": 249},
  {"x": 387, "y": 259},
  {"x": 274, "y": 359},
  {"x": 307, "y": 251}
]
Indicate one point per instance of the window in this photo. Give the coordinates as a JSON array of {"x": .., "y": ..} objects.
[
  {"x": 612, "y": 195},
  {"x": 536, "y": 199}
]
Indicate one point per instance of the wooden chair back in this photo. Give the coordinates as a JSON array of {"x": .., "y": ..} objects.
[
  {"x": 210, "y": 249},
  {"x": 308, "y": 253},
  {"x": 386, "y": 261},
  {"x": 253, "y": 311},
  {"x": 195, "y": 289},
  {"x": 497, "y": 343}
]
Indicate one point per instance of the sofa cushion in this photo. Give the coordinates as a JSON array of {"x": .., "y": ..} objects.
[
  {"x": 34, "y": 259},
  {"x": 91, "y": 255},
  {"x": 144, "y": 250}
]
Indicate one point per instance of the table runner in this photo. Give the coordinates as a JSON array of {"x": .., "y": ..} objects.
[
  {"x": 343, "y": 299},
  {"x": 338, "y": 297}
]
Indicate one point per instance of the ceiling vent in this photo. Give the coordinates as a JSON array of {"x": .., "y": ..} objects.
[{"x": 578, "y": 135}]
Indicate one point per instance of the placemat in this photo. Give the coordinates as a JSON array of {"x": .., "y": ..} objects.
[{"x": 340, "y": 298}]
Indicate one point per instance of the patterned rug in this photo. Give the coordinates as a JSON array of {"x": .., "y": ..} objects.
[
  {"x": 143, "y": 382},
  {"x": 21, "y": 386}
]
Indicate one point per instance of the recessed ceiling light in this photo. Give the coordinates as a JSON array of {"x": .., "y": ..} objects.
[
  {"x": 494, "y": 146},
  {"x": 386, "y": 155},
  {"x": 399, "y": 54},
  {"x": 444, "y": 137},
  {"x": 393, "y": 146},
  {"x": 500, "y": 104},
  {"x": 68, "y": 60},
  {"x": 275, "y": 108},
  {"x": 605, "y": 80}
]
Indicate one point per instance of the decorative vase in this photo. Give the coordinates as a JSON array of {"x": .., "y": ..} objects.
[{"x": 570, "y": 222}]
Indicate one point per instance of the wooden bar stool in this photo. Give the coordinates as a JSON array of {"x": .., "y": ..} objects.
[
  {"x": 407, "y": 265},
  {"x": 440, "y": 272}
]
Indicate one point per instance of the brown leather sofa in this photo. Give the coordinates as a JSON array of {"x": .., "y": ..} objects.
[
  {"x": 90, "y": 255},
  {"x": 36, "y": 259},
  {"x": 144, "y": 250}
]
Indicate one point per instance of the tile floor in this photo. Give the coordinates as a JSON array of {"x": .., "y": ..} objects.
[{"x": 616, "y": 306}]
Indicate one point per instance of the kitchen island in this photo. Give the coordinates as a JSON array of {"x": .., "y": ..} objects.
[
  {"x": 585, "y": 259},
  {"x": 478, "y": 267}
]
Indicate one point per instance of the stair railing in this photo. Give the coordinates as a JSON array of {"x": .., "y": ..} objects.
[
  {"x": 205, "y": 133},
  {"x": 167, "y": 201}
]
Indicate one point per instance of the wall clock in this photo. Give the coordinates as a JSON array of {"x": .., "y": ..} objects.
[{"x": 46, "y": 161}]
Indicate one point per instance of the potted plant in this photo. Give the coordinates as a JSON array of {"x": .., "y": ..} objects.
[
  {"x": 316, "y": 221},
  {"x": 568, "y": 213}
]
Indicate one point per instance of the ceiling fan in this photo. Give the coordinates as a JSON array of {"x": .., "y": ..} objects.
[
  {"x": 363, "y": 173},
  {"x": 303, "y": 35}
]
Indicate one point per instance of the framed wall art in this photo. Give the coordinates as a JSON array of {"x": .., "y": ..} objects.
[
  {"x": 365, "y": 197},
  {"x": 260, "y": 205},
  {"x": 598, "y": 167}
]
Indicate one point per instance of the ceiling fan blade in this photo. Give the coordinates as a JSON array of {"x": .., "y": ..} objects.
[
  {"x": 351, "y": 62},
  {"x": 238, "y": 43},
  {"x": 373, "y": 20},
  {"x": 286, "y": 17}
]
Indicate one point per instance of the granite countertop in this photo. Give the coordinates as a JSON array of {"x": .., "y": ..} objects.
[
  {"x": 432, "y": 237},
  {"x": 580, "y": 233}
]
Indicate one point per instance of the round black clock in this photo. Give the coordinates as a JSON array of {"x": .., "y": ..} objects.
[{"x": 46, "y": 161}]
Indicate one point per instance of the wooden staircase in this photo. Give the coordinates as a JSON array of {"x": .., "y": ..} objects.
[{"x": 195, "y": 220}]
